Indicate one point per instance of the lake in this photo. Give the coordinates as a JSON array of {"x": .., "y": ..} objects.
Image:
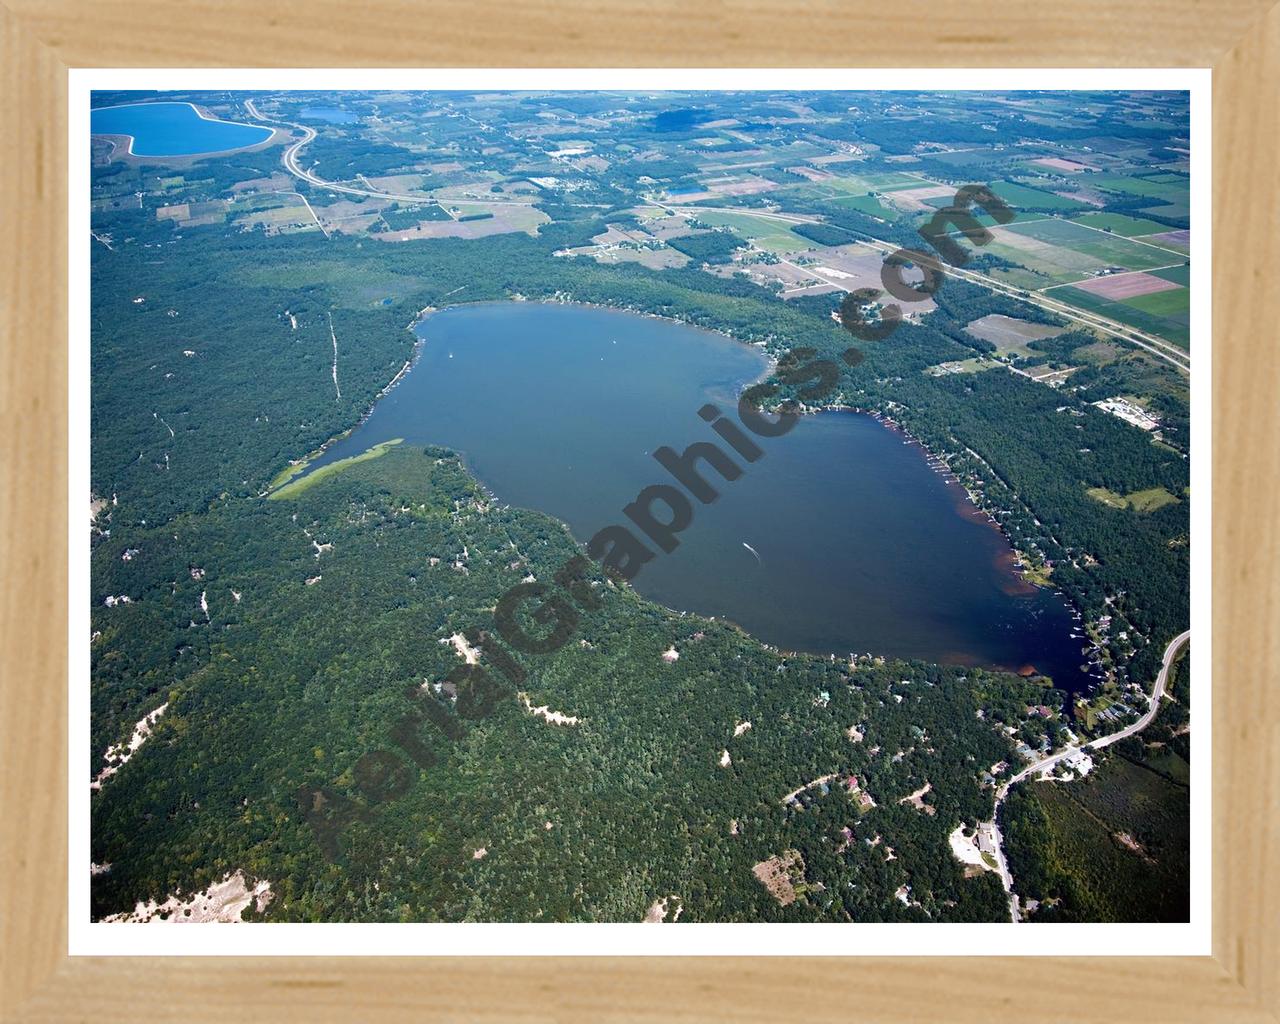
[
  {"x": 859, "y": 545},
  {"x": 173, "y": 129}
]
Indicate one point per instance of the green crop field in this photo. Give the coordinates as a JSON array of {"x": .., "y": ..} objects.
[
  {"x": 865, "y": 204},
  {"x": 1168, "y": 191},
  {"x": 1107, "y": 250},
  {"x": 1178, "y": 210},
  {"x": 1174, "y": 327},
  {"x": 1175, "y": 303},
  {"x": 768, "y": 234},
  {"x": 1178, "y": 275},
  {"x": 1021, "y": 196},
  {"x": 1118, "y": 223}
]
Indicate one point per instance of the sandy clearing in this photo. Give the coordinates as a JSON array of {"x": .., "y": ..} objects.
[
  {"x": 808, "y": 785},
  {"x": 554, "y": 717},
  {"x": 657, "y": 912},
  {"x": 469, "y": 654},
  {"x": 118, "y": 754},
  {"x": 776, "y": 874},
  {"x": 334, "y": 336},
  {"x": 223, "y": 902},
  {"x": 740, "y": 728},
  {"x": 965, "y": 849},
  {"x": 916, "y": 799}
]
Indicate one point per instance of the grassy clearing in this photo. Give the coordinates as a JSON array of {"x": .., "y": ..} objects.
[
  {"x": 354, "y": 285},
  {"x": 292, "y": 490},
  {"x": 974, "y": 365},
  {"x": 286, "y": 474},
  {"x": 1139, "y": 501},
  {"x": 1107, "y": 497},
  {"x": 1150, "y": 499}
]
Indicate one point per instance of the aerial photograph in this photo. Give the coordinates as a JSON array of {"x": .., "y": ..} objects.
[{"x": 639, "y": 506}]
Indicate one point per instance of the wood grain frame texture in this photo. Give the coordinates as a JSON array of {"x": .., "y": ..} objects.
[{"x": 41, "y": 39}]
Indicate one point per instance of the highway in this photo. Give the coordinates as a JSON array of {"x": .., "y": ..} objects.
[
  {"x": 292, "y": 165},
  {"x": 1164, "y": 350}
]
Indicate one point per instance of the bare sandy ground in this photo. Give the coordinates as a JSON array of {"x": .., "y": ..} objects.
[
  {"x": 118, "y": 754},
  {"x": 965, "y": 849},
  {"x": 554, "y": 717},
  {"x": 223, "y": 902},
  {"x": 916, "y": 799},
  {"x": 468, "y": 653}
]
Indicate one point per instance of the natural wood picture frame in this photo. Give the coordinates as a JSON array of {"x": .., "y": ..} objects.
[{"x": 41, "y": 39}]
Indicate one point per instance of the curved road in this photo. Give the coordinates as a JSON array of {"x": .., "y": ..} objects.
[
  {"x": 298, "y": 171},
  {"x": 1170, "y": 652},
  {"x": 292, "y": 166}
]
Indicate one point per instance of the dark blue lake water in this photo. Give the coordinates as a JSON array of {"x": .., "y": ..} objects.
[
  {"x": 860, "y": 546},
  {"x": 173, "y": 129}
]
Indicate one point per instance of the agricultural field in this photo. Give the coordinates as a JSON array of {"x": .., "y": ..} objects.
[
  {"x": 1179, "y": 239},
  {"x": 869, "y": 205},
  {"x": 1161, "y": 187},
  {"x": 1024, "y": 199},
  {"x": 1118, "y": 223},
  {"x": 773, "y": 235},
  {"x": 1166, "y": 313},
  {"x": 1107, "y": 249},
  {"x": 1051, "y": 251}
]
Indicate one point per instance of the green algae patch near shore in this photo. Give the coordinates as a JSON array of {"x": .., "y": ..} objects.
[{"x": 296, "y": 487}]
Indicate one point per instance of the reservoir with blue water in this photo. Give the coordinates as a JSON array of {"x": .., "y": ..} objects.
[
  {"x": 840, "y": 539},
  {"x": 173, "y": 129}
]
